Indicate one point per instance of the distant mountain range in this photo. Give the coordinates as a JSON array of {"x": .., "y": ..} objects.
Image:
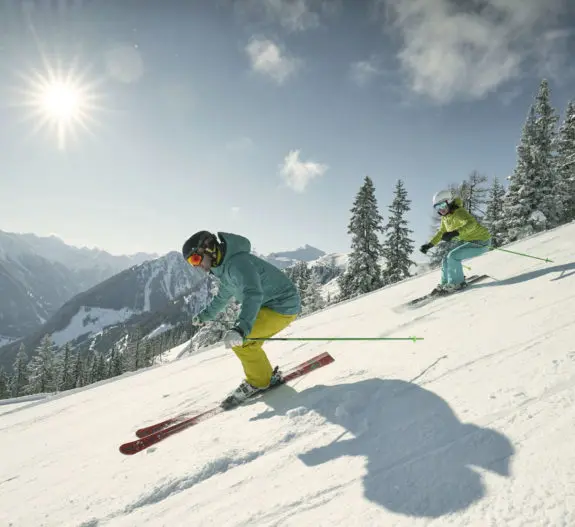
[
  {"x": 39, "y": 274},
  {"x": 90, "y": 299}
]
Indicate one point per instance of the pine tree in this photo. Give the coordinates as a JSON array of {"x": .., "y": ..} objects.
[
  {"x": 148, "y": 354},
  {"x": 312, "y": 299},
  {"x": 98, "y": 371},
  {"x": 566, "y": 165},
  {"x": 299, "y": 274},
  {"x": 67, "y": 380},
  {"x": 4, "y": 384},
  {"x": 115, "y": 362},
  {"x": 398, "y": 246},
  {"x": 43, "y": 372},
  {"x": 79, "y": 375},
  {"x": 494, "y": 219},
  {"x": 520, "y": 200},
  {"x": 531, "y": 204},
  {"x": 20, "y": 368},
  {"x": 544, "y": 155},
  {"x": 364, "y": 270},
  {"x": 135, "y": 349}
]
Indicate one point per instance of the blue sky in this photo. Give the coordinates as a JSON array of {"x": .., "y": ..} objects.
[{"x": 264, "y": 117}]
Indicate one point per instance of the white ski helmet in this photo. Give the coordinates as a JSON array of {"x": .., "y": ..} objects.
[{"x": 442, "y": 195}]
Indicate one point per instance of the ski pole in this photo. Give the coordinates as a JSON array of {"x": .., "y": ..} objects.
[
  {"x": 514, "y": 252},
  {"x": 520, "y": 254},
  {"x": 414, "y": 339}
]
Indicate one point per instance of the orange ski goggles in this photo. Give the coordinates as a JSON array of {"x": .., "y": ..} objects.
[{"x": 195, "y": 259}]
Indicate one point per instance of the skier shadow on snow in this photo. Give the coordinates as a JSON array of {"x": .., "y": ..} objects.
[
  {"x": 561, "y": 269},
  {"x": 420, "y": 459}
]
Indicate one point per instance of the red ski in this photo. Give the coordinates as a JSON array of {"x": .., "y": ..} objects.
[{"x": 153, "y": 434}]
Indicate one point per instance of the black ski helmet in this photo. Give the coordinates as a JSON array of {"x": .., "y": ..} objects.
[{"x": 200, "y": 240}]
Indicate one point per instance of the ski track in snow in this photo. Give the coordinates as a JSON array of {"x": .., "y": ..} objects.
[{"x": 474, "y": 425}]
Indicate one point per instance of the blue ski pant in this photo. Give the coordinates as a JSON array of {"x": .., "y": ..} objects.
[{"x": 451, "y": 268}]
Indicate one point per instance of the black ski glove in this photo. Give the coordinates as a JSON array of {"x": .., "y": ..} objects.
[
  {"x": 424, "y": 248},
  {"x": 448, "y": 236}
]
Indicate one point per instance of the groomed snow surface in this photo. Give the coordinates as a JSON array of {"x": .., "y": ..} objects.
[{"x": 475, "y": 425}]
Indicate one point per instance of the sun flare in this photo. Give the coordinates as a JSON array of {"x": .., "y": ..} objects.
[{"x": 64, "y": 103}]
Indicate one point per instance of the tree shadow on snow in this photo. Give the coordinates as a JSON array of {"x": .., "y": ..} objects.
[
  {"x": 561, "y": 269},
  {"x": 420, "y": 458}
]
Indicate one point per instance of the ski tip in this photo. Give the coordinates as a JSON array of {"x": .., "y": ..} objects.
[{"x": 128, "y": 449}]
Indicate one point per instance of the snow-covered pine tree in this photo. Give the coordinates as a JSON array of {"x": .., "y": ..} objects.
[
  {"x": 20, "y": 376},
  {"x": 4, "y": 384},
  {"x": 300, "y": 276},
  {"x": 312, "y": 299},
  {"x": 494, "y": 220},
  {"x": 566, "y": 165},
  {"x": 42, "y": 370},
  {"x": 363, "y": 274},
  {"x": 546, "y": 119},
  {"x": 397, "y": 246},
  {"x": 67, "y": 379},
  {"x": 531, "y": 203},
  {"x": 521, "y": 197}
]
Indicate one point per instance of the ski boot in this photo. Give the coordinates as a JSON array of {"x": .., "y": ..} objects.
[{"x": 245, "y": 390}]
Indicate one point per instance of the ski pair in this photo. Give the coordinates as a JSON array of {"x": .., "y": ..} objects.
[
  {"x": 425, "y": 299},
  {"x": 150, "y": 435}
]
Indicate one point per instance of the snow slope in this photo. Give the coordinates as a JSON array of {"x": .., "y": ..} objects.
[{"x": 472, "y": 426}]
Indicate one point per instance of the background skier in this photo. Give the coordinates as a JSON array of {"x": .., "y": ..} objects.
[
  {"x": 456, "y": 222},
  {"x": 269, "y": 302}
]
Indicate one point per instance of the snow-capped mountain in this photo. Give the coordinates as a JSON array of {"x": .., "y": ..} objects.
[
  {"x": 284, "y": 259},
  {"x": 132, "y": 295},
  {"x": 39, "y": 274}
]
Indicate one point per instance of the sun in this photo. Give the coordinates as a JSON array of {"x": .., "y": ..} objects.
[{"x": 63, "y": 102}]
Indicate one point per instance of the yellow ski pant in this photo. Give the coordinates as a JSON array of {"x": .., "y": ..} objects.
[{"x": 254, "y": 360}]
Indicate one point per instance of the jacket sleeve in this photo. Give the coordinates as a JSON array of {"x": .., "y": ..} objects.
[
  {"x": 437, "y": 238},
  {"x": 247, "y": 280},
  {"x": 216, "y": 305}
]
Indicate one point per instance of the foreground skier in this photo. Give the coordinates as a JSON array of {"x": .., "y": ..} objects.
[
  {"x": 270, "y": 302},
  {"x": 456, "y": 222}
]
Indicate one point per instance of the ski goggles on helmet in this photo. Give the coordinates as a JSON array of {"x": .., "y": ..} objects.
[
  {"x": 196, "y": 257},
  {"x": 442, "y": 207}
]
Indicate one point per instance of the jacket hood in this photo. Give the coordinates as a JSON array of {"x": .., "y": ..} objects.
[
  {"x": 458, "y": 202},
  {"x": 234, "y": 244}
]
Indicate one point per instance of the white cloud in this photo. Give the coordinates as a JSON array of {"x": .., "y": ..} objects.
[
  {"x": 267, "y": 58},
  {"x": 292, "y": 15},
  {"x": 454, "y": 49},
  {"x": 235, "y": 211},
  {"x": 364, "y": 71},
  {"x": 297, "y": 174}
]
